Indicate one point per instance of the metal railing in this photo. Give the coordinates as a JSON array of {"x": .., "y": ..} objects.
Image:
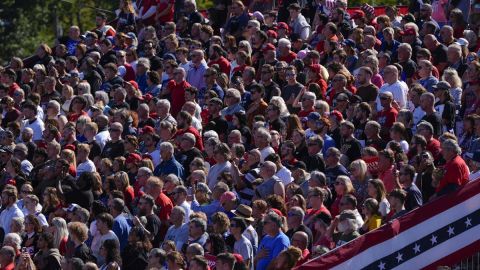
[{"x": 470, "y": 263}]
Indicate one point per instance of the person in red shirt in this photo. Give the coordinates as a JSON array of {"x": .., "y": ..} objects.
[
  {"x": 387, "y": 171},
  {"x": 154, "y": 188},
  {"x": 456, "y": 170},
  {"x": 388, "y": 115},
  {"x": 425, "y": 129},
  {"x": 285, "y": 52},
  {"x": 7, "y": 256},
  {"x": 300, "y": 240},
  {"x": 165, "y": 11},
  {"x": 184, "y": 125},
  {"x": 216, "y": 58},
  {"x": 315, "y": 197},
  {"x": 314, "y": 76},
  {"x": 176, "y": 88}
]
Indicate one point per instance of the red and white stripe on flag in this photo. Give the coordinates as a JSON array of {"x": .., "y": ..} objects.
[{"x": 441, "y": 232}]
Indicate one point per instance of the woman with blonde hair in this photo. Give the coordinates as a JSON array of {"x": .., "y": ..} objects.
[
  {"x": 343, "y": 186},
  {"x": 122, "y": 183},
  {"x": 58, "y": 229},
  {"x": 69, "y": 156},
  {"x": 450, "y": 75},
  {"x": 359, "y": 177},
  {"x": 277, "y": 100},
  {"x": 126, "y": 16}
]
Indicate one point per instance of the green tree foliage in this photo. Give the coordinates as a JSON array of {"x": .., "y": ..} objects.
[{"x": 25, "y": 24}]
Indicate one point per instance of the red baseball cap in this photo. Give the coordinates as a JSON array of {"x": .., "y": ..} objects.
[
  {"x": 147, "y": 130},
  {"x": 133, "y": 83},
  {"x": 70, "y": 147},
  {"x": 338, "y": 115},
  {"x": 357, "y": 14},
  {"x": 282, "y": 25},
  {"x": 271, "y": 33},
  {"x": 269, "y": 47},
  {"x": 407, "y": 32},
  {"x": 133, "y": 158}
]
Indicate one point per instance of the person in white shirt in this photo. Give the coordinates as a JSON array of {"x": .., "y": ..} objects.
[
  {"x": 11, "y": 210},
  {"x": 284, "y": 174},
  {"x": 103, "y": 136},
  {"x": 84, "y": 164},
  {"x": 104, "y": 227},
  {"x": 394, "y": 86},
  {"x": 262, "y": 142},
  {"x": 29, "y": 111},
  {"x": 180, "y": 199}
]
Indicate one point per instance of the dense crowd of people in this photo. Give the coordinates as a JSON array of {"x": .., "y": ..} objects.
[{"x": 249, "y": 136}]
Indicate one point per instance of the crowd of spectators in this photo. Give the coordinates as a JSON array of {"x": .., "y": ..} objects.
[{"x": 253, "y": 135}]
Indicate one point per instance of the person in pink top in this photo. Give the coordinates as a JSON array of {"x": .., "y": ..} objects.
[{"x": 387, "y": 171}]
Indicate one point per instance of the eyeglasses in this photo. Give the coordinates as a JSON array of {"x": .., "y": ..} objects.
[
  {"x": 290, "y": 74},
  {"x": 233, "y": 225},
  {"x": 384, "y": 98},
  {"x": 312, "y": 144}
]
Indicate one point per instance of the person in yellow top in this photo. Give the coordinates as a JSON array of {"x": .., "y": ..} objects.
[{"x": 373, "y": 219}]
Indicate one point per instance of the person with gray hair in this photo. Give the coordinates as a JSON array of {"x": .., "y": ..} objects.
[
  {"x": 197, "y": 232},
  {"x": 455, "y": 59},
  {"x": 233, "y": 100},
  {"x": 262, "y": 142},
  {"x": 169, "y": 164},
  {"x": 295, "y": 223},
  {"x": 13, "y": 240},
  {"x": 271, "y": 183},
  {"x": 347, "y": 227},
  {"x": 178, "y": 231},
  {"x": 162, "y": 108},
  {"x": 84, "y": 88},
  {"x": 456, "y": 170},
  {"x": 274, "y": 241},
  {"x": 198, "y": 67},
  {"x": 222, "y": 155}
]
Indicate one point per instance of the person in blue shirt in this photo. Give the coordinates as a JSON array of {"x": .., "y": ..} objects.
[
  {"x": 274, "y": 242},
  {"x": 121, "y": 226},
  {"x": 215, "y": 205},
  {"x": 169, "y": 164}
]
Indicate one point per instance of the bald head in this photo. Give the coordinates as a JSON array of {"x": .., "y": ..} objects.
[
  {"x": 430, "y": 42},
  {"x": 300, "y": 240}
]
